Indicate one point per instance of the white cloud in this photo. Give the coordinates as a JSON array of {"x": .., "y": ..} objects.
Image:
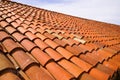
[{"x": 102, "y": 10}]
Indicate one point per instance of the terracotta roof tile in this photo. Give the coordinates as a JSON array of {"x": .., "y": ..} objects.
[
  {"x": 10, "y": 76},
  {"x": 7, "y": 69},
  {"x": 71, "y": 43},
  {"x": 3, "y": 23},
  {"x": 22, "y": 30},
  {"x": 99, "y": 75},
  {"x": 4, "y": 62},
  {"x": 32, "y": 30},
  {"x": 55, "y": 55},
  {"x": 97, "y": 56},
  {"x": 80, "y": 50},
  {"x": 42, "y": 45},
  {"x": 105, "y": 53},
  {"x": 25, "y": 25},
  {"x": 52, "y": 43},
  {"x": 30, "y": 36},
  {"x": 18, "y": 21},
  {"x": 29, "y": 47},
  {"x": 38, "y": 44},
  {"x": 10, "y": 29},
  {"x": 73, "y": 50},
  {"x": 63, "y": 44},
  {"x": 84, "y": 65},
  {"x": 3, "y": 36},
  {"x": 42, "y": 57},
  {"x": 105, "y": 69},
  {"x": 13, "y": 17},
  {"x": 19, "y": 36},
  {"x": 42, "y": 37},
  {"x": 116, "y": 57},
  {"x": 4, "y": 16},
  {"x": 86, "y": 76},
  {"x": 13, "y": 61},
  {"x": 70, "y": 67},
  {"x": 15, "y": 24},
  {"x": 46, "y": 71},
  {"x": 54, "y": 68},
  {"x": 24, "y": 75},
  {"x": 88, "y": 59},
  {"x": 9, "y": 20},
  {"x": 40, "y": 30},
  {"x": 25, "y": 61},
  {"x": 10, "y": 45},
  {"x": 64, "y": 52},
  {"x": 58, "y": 36},
  {"x": 86, "y": 47},
  {"x": 38, "y": 74},
  {"x": 110, "y": 65},
  {"x": 115, "y": 62},
  {"x": 49, "y": 36}
]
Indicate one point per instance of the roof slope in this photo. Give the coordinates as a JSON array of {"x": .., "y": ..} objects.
[{"x": 37, "y": 44}]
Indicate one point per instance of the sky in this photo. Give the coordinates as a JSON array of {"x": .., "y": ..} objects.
[{"x": 100, "y": 10}]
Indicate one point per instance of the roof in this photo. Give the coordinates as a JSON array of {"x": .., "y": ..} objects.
[{"x": 37, "y": 44}]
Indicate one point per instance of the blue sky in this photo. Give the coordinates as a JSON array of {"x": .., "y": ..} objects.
[{"x": 101, "y": 10}]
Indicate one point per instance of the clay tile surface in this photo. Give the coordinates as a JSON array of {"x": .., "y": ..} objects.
[
  {"x": 30, "y": 35},
  {"x": 28, "y": 44},
  {"x": 49, "y": 36},
  {"x": 70, "y": 67},
  {"x": 86, "y": 76},
  {"x": 3, "y": 36},
  {"x": 84, "y": 65},
  {"x": 39, "y": 44},
  {"x": 42, "y": 45},
  {"x": 105, "y": 69},
  {"x": 4, "y": 62},
  {"x": 10, "y": 45},
  {"x": 64, "y": 52},
  {"x": 10, "y": 29},
  {"x": 42, "y": 57},
  {"x": 73, "y": 50},
  {"x": 42, "y": 37},
  {"x": 3, "y": 23},
  {"x": 9, "y": 20},
  {"x": 38, "y": 74},
  {"x": 25, "y": 61},
  {"x": 18, "y": 36},
  {"x": 51, "y": 43},
  {"x": 55, "y": 68},
  {"x": 15, "y": 24},
  {"x": 10, "y": 76},
  {"x": 55, "y": 55},
  {"x": 60, "y": 42},
  {"x": 88, "y": 59},
  {"x": 99, "y": 75}
]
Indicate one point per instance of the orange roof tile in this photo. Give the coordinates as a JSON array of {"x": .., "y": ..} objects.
[{"x": 38, "y": 44}]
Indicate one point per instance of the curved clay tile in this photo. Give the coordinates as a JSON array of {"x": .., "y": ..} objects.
[{"x": 38, "y": 44}]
